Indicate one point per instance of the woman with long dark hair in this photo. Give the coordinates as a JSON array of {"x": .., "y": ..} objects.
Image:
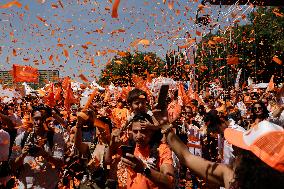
[{"x": 259, "y": 112}]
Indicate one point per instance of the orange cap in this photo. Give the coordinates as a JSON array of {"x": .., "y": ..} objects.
[{"x": 265, "y": 140}]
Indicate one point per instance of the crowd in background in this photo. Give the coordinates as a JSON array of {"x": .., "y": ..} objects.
[{"x": 126, "y": 142}]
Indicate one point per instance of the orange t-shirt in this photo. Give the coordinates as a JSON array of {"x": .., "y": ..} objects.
[{"x": 137, "y": 180}]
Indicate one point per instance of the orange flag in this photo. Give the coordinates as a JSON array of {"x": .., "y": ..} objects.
[
  {"x": 182, "y": 95},
  {"x": 114, "y": 9},
  {"x": 25, "y": 74},
  {"x": 49, "y": 98},
  {"x": 232, "y": 60},
  {"x": 57, "y": 96},
  {"x": 124, "y": 92},
  {"x": 140, "y": 83},
  {"x": 196, "y": 97},
  {"x": 66, "y": 82},
  {"x": 69, "y": 98},
  {"x": 270, "y": 86},
  {"x": 84, "y": 78}
]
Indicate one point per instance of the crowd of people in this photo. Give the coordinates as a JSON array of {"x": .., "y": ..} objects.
[{"x": 231, "y": 139}]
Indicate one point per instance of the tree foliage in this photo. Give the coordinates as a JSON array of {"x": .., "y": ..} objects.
[
  {"x": 255, "y": 45},
  {"x": 119, "y": 71}
]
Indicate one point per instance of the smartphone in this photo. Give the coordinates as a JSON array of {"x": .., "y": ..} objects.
[
  {"x": 162, "y": 99},
  {"x": 127, "y": 149}
]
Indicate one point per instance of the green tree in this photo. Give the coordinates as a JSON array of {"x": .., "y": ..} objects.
[
  {"x": 119, "y": 71},
  {"x": 255, "y": 44}
]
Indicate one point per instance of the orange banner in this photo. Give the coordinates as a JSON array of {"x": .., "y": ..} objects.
[{"x": 25, "y": 74}]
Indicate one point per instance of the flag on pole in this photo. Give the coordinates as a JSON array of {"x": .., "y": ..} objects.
[{"x": 25, "y": 74}]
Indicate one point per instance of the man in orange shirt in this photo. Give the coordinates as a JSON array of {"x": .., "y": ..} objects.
[{"x": 151, "y": 164}]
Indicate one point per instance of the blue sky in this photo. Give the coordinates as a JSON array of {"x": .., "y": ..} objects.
[{"x": 76, "y": 24}]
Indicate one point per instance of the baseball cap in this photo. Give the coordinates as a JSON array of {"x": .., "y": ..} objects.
[{"x": 265, "y": 140}]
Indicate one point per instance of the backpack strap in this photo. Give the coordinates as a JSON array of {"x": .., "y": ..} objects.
[
  {"x": 24, "y": 139},
  {"x": 50, "y": 135}
]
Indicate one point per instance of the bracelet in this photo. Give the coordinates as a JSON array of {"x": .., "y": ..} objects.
[{"x": 167, "y": 130}]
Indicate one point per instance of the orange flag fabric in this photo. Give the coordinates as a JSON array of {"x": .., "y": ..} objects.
[
  {"x": 25, "y": 74},
  {"x": 69, "y": 98},
  {"x": 232, "y": 60},
  {"x": 57, "y": 96},
  {"x": 66, "y": 82},
  {"x": 270, "y": 86},
  {"x": 182, "y": 95},
  {"x": 140, "y": 83},
  {"x": 49, "y": 98}
]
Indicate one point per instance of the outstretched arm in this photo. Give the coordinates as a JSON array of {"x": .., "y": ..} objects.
[
  {"x": 80, "y": 145},
  {"x": 213, "y": 172}
]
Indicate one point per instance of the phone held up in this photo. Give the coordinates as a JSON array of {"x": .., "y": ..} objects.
[{"x": 127, "y": 149}]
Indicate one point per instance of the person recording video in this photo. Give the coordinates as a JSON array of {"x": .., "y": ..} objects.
[{"x": 38, "y": 153}]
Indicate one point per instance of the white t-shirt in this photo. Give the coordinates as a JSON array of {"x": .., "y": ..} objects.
[{"x": 36, "y": 171}]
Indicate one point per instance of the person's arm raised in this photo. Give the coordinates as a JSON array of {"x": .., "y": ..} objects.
[
  {"x": 213, "y": 172},
  {"x": 82, "y": 147}
]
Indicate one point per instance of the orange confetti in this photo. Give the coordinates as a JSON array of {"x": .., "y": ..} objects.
[
  {"x": 61, "y": 4},
  {"x": 10, "y": 4},
  {"x": 84, "y": 78},
  {"x": 52, "y": 32},
  {"x": 92, "y": 61},
  {"x": 26, "y": 59},
  {"x": 144, "y": 42},
  {"x": 114, "y": 13},
  {"x": 42, "y": 20},
  {"x": 211, "y": 43},
  {"x": 60, "y": 45},
  {"x": 198, "y": 33},
  {"x": 277, "y": 60},
  {"x": 171, "y": 5},
  {"x": 117, "y": 31},
  {"x": 122, "y": 54},
  {"x": 66, "y": 53},
  {"x": 84, "y": 46},
  {"x": 218, "y": 39},
  {"x": 54, "y": 6},
  {"x": 50, "y": 58},
  {"x": 275, "y": 11},
  {"x": 27, "y": 8},
  {"x": 14, "y": 52},
  {"x": 88, "y": 43}
]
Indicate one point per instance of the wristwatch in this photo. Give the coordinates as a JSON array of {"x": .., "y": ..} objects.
[{"x": 147, "y": 171}]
